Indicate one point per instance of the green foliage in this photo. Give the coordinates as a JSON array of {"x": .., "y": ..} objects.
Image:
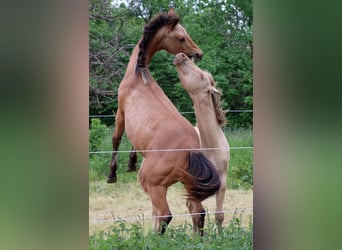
[
  {"x": 226, "y": 40},
  {"x": 97, "y": 134},
  {"x": 123, "y": 236},
  {"x": 240, "y": 173},
  {"x": 113, "y": 33},
  {"x": 99, "y": 140}
]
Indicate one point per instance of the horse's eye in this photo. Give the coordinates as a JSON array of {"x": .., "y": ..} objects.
[{"x": 182, "y": 39}]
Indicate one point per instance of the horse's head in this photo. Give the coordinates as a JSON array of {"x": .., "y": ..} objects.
[
  {"x": 164, "y": 32},
  {"x": 198, "y": 82},
  {"x": 176, "y": 39},
  {"x": 191, "y": 76}
]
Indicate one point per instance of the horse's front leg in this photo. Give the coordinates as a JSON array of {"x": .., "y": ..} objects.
[
  {"x": 131, "y": 167},
  {"x": 116, "y": 140},
  {"x": 114, "y": 162},
  {"x": 198, "y": 214}
]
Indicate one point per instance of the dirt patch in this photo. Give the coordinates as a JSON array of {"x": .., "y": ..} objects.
[{"x": 109, "y": 202}]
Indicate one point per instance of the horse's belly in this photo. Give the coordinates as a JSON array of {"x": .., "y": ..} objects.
[
  {"x": 140, "y": 127},
  {"x": 159, "y": 132}
]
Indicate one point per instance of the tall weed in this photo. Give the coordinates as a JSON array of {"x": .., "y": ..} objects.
[
  {"x": 240, "y": 173},
  {"x": 99, "y": 140}
]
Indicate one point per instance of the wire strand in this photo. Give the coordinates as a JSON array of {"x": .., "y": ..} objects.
[
  {"x": 163, "y": 216},
  {"x": 167, "y": 150},
  {"x": 187, "y": 112}
]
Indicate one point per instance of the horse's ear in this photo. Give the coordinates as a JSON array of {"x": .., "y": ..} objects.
[
  {"x": 173, "y": 18},
  {"x": 171, "y": 12},
  {"x": 213, "y": 90},
  {"x": 212, "y": 87}
]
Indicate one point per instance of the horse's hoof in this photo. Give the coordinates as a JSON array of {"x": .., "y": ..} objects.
[
  {"x": 111, "y": 180},
  {"x": 131, "y": 170}
]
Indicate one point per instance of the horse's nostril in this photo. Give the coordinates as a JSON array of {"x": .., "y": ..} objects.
[{"x": 199, "y": 56}]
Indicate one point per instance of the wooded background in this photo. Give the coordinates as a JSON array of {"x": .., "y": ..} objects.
[{"x": 222, "y": 29}]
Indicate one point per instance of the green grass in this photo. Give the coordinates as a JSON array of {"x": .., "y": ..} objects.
[{"x": 121, "y": 236}]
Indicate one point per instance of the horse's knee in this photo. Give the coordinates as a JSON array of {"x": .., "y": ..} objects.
[
  {"x": 132, "y": 161},
  {"x": 116, "y": 140},
  {"x": 189, "y": 206},
  {"x": 223, "y": 184}
]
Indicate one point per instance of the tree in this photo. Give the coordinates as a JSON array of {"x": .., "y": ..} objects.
[
  {"x": 226, "y": 39},
  {"x": 222, "y": 29},
  {"x": 112, "y": 36}
]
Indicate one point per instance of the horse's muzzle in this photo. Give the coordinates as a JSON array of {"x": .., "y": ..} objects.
[{"x": 198, "y": 57}]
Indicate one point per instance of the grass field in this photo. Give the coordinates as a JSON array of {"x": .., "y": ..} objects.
[
  {"x": 119, "y": 218},
  {"x": 112, "y": 202},
  {"x": 119, "y": 214}
]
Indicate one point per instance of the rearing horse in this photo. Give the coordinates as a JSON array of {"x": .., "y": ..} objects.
[
  {"x": 156, "y": 128},
  {"x": 210, "y": 118}
]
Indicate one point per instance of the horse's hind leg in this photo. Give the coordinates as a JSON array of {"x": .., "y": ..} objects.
[
  {"x": 198, "y": 214},
  {"x": 219, "y": 215},
  {"x": 161, "y": 212},
  {"x": 116, "y": 140},
  {"x": 132, "y": 161}
]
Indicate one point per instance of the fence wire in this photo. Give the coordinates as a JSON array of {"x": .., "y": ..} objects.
[
  {"x": 168, "y": 150},
  {"x": 186, "y": 112},
  {"x": 173, "y": 215}
]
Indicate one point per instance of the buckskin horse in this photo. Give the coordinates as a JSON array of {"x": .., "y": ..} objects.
[
  {"x": 210, "y": 118},
  {"x": 166, "y": 140}
]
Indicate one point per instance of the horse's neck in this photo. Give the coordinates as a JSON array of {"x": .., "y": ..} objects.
[
  {"x": 210, "y": 131},
  {"x": 154, "y": 87},
  {"x": 134, "y": 56}
]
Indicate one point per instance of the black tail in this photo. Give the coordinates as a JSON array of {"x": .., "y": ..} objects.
[{"x": 204, "y": 180}]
